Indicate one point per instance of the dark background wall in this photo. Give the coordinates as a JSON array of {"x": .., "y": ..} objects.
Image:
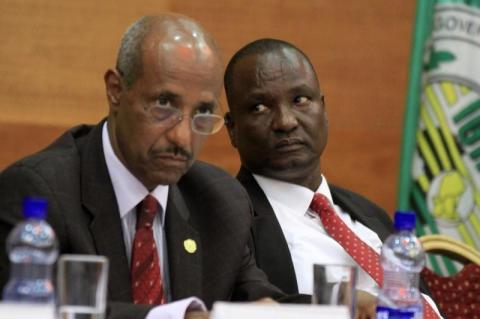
[{"x": 54, "y": 53}]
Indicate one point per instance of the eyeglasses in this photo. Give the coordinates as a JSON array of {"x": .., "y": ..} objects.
[
  {"x": 202, "y": 123},
  {"x": 167, "y": 116}
]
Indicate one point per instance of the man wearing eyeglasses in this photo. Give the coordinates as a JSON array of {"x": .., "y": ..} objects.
[{"x": 129, "y": 188}]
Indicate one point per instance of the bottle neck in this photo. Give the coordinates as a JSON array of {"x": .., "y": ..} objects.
[{"x": 404, "y": 230}]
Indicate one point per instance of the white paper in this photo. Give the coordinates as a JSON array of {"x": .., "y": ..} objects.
[
  {"x": 225, "y": 310},
  {"x": 26, "y": 311}
]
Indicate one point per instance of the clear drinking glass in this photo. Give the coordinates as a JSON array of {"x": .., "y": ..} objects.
[
  {"x": 334, "y": 285},
  {"x": 81, "y": 287}
]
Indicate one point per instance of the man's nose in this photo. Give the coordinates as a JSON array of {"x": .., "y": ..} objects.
[
  {"x": 284, "y": 119},
  {"x": 181, "y": 133}
]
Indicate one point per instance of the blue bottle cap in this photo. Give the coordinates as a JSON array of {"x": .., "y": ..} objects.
[
  {"x": 404, "y": 220},
  {"x": 34, "y": 207}
]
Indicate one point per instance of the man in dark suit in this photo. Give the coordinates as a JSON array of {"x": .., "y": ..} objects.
[
  {"x": 162, "y": 99},
  {"x": 277, "y": 122}
]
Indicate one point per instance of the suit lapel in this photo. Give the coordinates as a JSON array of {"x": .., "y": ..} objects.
[
  {"x": 99, "y": 199},
  {"x": 271, "y": 248},
  {"x": 184, "y": 266}
]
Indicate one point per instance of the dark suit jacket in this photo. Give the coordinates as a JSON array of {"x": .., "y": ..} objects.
[
  {"x": 271, "y": 249},
  {"x": 207, "y": 205}
]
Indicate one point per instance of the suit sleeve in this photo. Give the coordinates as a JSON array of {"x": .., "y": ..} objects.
[
  {"x": 252, "y": 283},
  {"x": 124, "y": 310}
]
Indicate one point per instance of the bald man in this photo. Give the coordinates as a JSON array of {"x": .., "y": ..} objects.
[{"x": 129, "y": 187}]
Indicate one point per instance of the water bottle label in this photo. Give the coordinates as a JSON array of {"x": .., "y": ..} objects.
[{"x": 391, "y": 313}]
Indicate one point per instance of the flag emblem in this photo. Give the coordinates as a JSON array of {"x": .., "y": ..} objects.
[{"x": 444, "y": 175}]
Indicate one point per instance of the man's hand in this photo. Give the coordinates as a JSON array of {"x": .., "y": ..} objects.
[
  {"x": 197, "y": 314},
  {"x": 366, "y": 304},
  {"x": 266, "y": 300}
]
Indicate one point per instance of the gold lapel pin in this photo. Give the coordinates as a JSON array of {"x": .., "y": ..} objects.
[{"x": 190, "y": 245}]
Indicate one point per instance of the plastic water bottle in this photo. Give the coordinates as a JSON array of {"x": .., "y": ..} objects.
[
  {"x": 402, "y": 259},
  {"x": 32, "y": 248}
]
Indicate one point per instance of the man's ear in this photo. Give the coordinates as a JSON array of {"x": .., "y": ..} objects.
[
  {"x": 113, "y": 87},
  {"x": 230, "y": 128}
]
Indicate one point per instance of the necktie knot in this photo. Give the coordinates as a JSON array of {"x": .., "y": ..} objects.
[
  {"x": 320, "y": 203},
  {"x": 146, "y": 212}
]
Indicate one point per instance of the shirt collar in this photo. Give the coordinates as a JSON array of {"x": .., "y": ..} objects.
[
  {"x": 293, "y": 196},
  {"x": 129, "y": 191},
  {"x": 324, "y": 189}
]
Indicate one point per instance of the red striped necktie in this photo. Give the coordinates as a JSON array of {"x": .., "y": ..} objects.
[
  {"x": 146, "y": 278},
  {"x": 364, "y": 255}
]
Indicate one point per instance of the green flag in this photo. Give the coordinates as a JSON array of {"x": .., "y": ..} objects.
[{"x": 440, "y": 165}]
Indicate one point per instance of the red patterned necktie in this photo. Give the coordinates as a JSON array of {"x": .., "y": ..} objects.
[
  {"x": 364, "y": 255},
  {"x": 145, "y": 269}
]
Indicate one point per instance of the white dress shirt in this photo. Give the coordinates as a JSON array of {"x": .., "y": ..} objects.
[
  {"x": 129, "y": 192},
  {"x": 306, "y": 238}
]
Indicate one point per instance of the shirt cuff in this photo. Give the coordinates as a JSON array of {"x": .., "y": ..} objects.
[{"x": 176, "y": 309}]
